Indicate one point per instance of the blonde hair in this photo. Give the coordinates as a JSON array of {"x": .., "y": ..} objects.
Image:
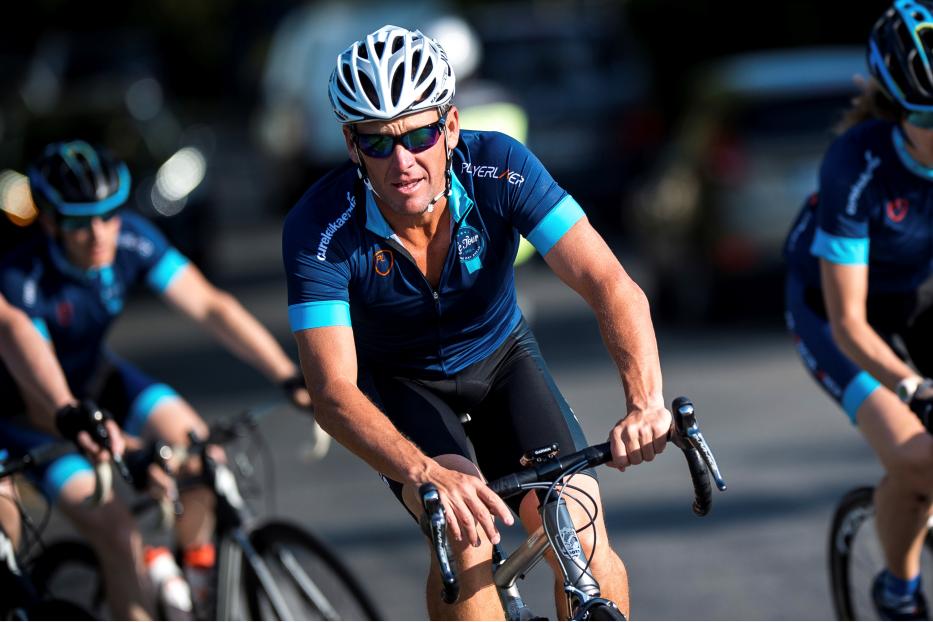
[{"x": 872, "y": 103}]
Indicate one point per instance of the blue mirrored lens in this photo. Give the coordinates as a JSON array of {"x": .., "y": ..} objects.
[{"x": 921, "y": 119}]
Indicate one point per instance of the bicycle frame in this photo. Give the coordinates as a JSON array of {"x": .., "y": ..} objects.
[
  {"x": 233, "y": 529},
  {"x": 579, "y": 584}
]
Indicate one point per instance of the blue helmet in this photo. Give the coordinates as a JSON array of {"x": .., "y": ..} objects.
[
  {"x": 900, "y": 54},
  {"x": 76, "y": 179}
]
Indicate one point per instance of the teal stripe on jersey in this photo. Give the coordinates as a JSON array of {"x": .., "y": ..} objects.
[
  {"x": 164, "y": 272},
  {"x": 836, "y": 249},
  {"x": 318, "y": 314},
  {"x": 555, "y": 224}
]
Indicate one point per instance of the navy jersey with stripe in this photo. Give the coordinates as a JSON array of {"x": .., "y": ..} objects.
[
  {"x": 874, "y": 207},
  {"x": 75, "y": 308},
  {"x": 346, "y": 267}
]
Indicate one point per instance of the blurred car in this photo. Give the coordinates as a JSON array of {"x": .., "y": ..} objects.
[
  {"x": 583, "y": 80},
  {"x": 711, "y": 219}
]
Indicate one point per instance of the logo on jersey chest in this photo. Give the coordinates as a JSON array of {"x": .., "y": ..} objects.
[
  {"x": 470, "y": 245},
  {"x": 896, "y": 210},
  {"x": 383, "y": 261},
  {"x": 64, "y": 313}
]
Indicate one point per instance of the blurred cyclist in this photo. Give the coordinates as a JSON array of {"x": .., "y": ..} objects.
[
  {"x": 402, "y": 301},
  {"x": 859, "y": 286},
  {"x": 73, "y": 283}
]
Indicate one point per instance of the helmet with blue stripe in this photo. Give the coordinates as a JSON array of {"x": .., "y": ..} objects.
[
  {"x": 900, "y": 54},
  {"x": 77, "y": 179}
]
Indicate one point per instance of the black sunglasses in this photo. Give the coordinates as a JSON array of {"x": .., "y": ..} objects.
[
  {"x": 416, "y": 140},
  {"x": 73, "y": 223}
]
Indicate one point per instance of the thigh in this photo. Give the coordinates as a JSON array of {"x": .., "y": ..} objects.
[
  {"x": 523, "y": 410},
  {"x": 833, "y": 371},
  {"x": 420, "y": 415},
  {"x": 144, "y": 406},
  {"x": 52, "y": 478}
]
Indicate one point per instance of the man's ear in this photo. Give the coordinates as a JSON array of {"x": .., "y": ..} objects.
[
  {"x": 351, "y": 148},
  {"x": 453, "y": 127}
]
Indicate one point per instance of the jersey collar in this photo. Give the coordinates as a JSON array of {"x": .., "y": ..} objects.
[
  {"x": 459, "y": 203},
  {"x": 900, "y": 147}
]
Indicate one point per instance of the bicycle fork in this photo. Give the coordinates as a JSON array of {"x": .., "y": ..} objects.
[{"x": 557, "y": 529}]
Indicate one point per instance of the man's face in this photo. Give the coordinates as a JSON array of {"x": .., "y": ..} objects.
[
  {"x": 93, "y": 245},
  {"x": 406, "y": 182}
]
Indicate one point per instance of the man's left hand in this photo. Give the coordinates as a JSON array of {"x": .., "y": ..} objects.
[{"x": 639, "y": 437}]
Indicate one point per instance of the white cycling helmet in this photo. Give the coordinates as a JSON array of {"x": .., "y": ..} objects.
[{"x": 390, "y": 73}]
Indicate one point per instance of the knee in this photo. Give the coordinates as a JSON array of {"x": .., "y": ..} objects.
[
  {"x": 912, "y": 467},
  {"x": 473, "y": 565}
]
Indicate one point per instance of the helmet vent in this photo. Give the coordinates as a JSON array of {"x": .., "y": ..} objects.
[
  {"x": 369, "y": 89},
  {"x": 397, "y": 44}
]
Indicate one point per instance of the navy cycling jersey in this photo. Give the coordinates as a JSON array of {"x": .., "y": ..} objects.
[
  {"x": 346, "y": 267},
  {"x": 874, "y": 207},
  {"x": 74, "y": 308}
]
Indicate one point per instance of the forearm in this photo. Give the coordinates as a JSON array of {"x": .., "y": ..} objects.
[
  {"x": 247, "y": 339},
  {"x": 625, "y": 324},
  {"x": 345, "y": 413},
  {"x": 859, "y": 341},
  {"x": 34, "y": 367}
]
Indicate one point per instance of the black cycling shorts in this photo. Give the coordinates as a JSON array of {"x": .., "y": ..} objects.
[{"x": 514, "y": 407}]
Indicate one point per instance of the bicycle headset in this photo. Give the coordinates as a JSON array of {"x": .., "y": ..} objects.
[
  {"x": 74, "y": 179},
  {"x": 391, "y": 73},
  {"x": 900, "y": 54}
]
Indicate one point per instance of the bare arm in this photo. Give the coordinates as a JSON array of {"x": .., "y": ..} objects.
[
  {"x": 40, "y": 378},
  {"x": 845, "y": 292},
  {"x": 225, "y": 318},
  {"x": 583, "y": 261},
  {"x": 32, "y": 362},
  {"x": 328, "y": 359}
]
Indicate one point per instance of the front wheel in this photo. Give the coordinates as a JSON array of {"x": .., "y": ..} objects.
[
  {"x": 69, "y": 571},
  {"x": 314, "y": 583},
  {"x": 856, "y": 556}
]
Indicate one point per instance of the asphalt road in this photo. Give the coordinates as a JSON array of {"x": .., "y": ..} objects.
[{"x": 787, "y": 453}]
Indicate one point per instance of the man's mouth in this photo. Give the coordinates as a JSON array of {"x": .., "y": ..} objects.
[{"x": 407, "y": 186}]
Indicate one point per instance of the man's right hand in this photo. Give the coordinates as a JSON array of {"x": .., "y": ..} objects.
[
  {"x": 469, "y": 504},
  {"x": 91, "y": 429}
]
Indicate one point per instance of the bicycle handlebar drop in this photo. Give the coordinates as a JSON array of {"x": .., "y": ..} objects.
[{"x": 434, "y": 523}]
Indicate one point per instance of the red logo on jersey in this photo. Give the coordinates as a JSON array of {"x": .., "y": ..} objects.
[
  {"x": 64, "y": 312},
  {"x": 382, "y": 262},
  {"x": 897, "y": 209}
]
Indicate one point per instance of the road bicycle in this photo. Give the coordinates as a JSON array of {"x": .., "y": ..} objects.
[
  {"x": 265, "y": 570},
  {"x": 551, "y": 473},
  {"x": 21, "y": 598},
  {"x": 856, "y": 556}
]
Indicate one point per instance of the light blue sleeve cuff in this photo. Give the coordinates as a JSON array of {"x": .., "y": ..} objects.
[
  {"x": 165, "y": 271},
  {"x": 555, "y": 224},
  {"x": 42, "y": 327},
  {"x": 857, "y": 392},
  {"x": 836, "y": 249},
  {"x": 318, "y": 314}
]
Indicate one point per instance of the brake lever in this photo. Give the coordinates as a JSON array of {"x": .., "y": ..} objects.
[
  {"x": 688, "y": 432},
  {"x": 103, "y": 437}
]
